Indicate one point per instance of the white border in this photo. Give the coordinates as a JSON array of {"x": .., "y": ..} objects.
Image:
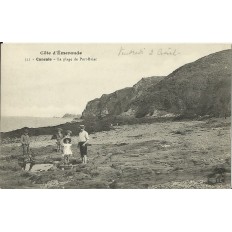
[{"x": 119, "y": 21}]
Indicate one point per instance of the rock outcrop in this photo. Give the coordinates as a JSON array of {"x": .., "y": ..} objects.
[
  {"x": 71, "y": 116},
  {"x": 200, "y": 88},
  {"x": 118, "y": 102}
]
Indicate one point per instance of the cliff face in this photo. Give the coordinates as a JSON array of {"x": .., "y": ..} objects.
[
  {"x": 200, "y": 88},
  {"x": 118, "y": 102},
  {"x": 112, "y": 104}
]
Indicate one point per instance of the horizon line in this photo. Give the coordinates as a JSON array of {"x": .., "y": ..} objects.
[{"x": 36, "y": 116}]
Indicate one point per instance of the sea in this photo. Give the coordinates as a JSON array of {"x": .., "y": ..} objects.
[{"x": 14, "y": 122}]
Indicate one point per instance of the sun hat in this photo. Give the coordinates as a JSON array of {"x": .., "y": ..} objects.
[{"x": 65, "y": 139}]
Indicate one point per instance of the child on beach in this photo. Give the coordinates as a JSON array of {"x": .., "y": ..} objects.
[{"x": 67, "y": 152}]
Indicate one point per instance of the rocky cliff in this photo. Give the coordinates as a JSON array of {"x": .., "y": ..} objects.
[
  {"x": 200, "y": 88},
  {"x": 119, "y": 101}
]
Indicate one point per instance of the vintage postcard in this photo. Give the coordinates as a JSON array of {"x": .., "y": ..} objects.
[{"x": 115, "y": 116}]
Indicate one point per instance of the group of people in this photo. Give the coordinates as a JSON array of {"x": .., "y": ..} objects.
[{"x": 63, "y": 142}]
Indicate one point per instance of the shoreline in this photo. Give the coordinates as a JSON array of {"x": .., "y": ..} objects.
[
  {"x": 95, "y": 125},
  {"x": 12, "y": 123}
]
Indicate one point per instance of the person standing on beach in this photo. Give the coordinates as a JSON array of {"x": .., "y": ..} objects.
[
  {"x": 83, "y": 141},
  {"x": 68, "y": 134},
  {"x": 25, "y": 141},
  {"x": 67, "y": 152},
  {"x": 59, "y": 137}
]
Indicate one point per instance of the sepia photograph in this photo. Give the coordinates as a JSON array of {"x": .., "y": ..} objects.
[{"x": 115, "y": 116}]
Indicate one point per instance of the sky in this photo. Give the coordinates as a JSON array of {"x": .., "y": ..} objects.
[{"x": 40, "y": 88}]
